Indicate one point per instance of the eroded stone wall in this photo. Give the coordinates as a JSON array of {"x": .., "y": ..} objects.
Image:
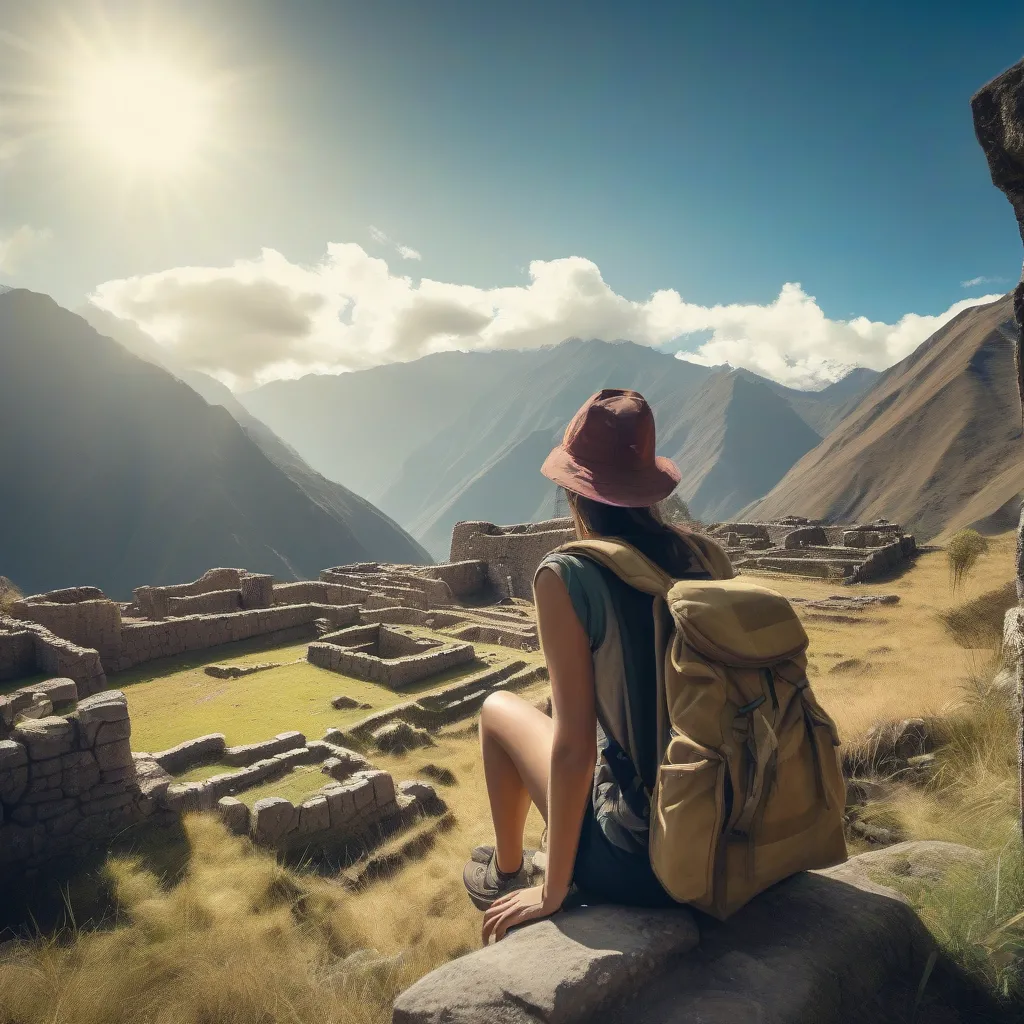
[
  {"x": 144, "y": 641},
  {"x": 216, "y": 602},
  {"x": 67, "y": 781},
  {"x": 510, "y": 553},
  {"x": 89, "y": 621}
]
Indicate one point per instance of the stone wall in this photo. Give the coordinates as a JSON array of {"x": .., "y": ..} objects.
[
  {"x": 463, "y": 579},
  {"x": 67, "y": 781},
  {"x": 511, "y": 553},
  {"x": 317, "y": 592},
  {"x": 152, "y": 601},
  {"x": 144, "y": 641},
  {"x": 356, "y": 812},
  {"x": 17, "y": 654},
  {"x": 51, "y": 655},
  {"x": 215, "y": 602},
  {"x": 90, "y": 621},
  {"x": 391, "y": 666}
]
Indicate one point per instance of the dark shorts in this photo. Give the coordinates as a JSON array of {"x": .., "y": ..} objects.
[{"x": 604, "y": 873}]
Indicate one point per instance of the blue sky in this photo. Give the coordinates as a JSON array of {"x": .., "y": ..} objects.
[{"x": 719, "y": 150}]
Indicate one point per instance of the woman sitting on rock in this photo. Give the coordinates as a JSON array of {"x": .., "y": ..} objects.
[{"x": 597, "y": 634}]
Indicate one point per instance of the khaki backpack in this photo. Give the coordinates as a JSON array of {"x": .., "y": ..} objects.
[{"x": 735, "y": 714}]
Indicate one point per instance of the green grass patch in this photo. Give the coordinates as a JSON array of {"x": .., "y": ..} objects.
[
  {"x": 173, "y": 699},
  {"x": 298, "y": 785}
]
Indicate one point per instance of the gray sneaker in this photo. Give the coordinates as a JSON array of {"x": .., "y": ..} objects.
[
  {"x": 485, "y": 883},
  {"x": 482, "y": 854}
]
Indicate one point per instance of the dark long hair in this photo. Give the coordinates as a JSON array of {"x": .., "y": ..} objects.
[{"x": 644, "y": 528}]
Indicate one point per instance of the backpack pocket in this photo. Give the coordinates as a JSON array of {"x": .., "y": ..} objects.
[{"x": 687, "y": 819}]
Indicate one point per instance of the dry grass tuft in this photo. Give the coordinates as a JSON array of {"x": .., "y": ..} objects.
[
  {"x": 238, "y": 939},
  {"x": 9, "y": 593},
  {"x": 979, "y": 622}
]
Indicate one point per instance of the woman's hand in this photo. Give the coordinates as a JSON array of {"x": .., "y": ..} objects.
[{"x": 517, "y": 907}]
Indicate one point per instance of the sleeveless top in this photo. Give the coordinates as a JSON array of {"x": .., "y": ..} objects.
[{"x": 619, "y": 623}]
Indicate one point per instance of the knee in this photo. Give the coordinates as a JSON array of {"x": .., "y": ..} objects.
[{"x": 495, "y": 709}]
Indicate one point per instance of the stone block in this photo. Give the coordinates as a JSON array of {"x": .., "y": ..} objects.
[
  {"x": 114, "y": 755},
  {"x": 272, "y": 818},
  {"x": 108, "y": 803},
  {"x": 111, "y": 732},
  {"x": 11, "y": 705},
  {"x": 561, "y": 969},
  {"x": 94, "y": 711},
  {"x": 24, "y": 814},
  {"x": 58, "y": 691},
  {"x": 234, "y": 814},
  {"x": 250, "y": 753},
  {"x": 341, "y": 805},
  {"x": 314, "y": 815},
  {"x": 383, "y": 787},
  {"x": 362, "y": 790},
  {"x": 63, "y": 824},
  {"x": 51, "y": 766},
  {"x": 12, "y": 755},
  {"x": 41, "y": 707},
  {"x": 45, "y": 737},
  {"x": 118, "y": 774},
  {"x": 189, "y": 753},
  {"x": 13, "y": 782},
  {"x": 152, "y": 779},
  {"x": 55, "y": 809}
]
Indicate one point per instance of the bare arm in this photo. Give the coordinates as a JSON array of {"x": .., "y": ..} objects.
[{"x": 574, "y": 747}]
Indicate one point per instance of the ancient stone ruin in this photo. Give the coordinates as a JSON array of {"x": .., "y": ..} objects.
[
  {"x": 385, "y": 655},
  {"x": 804, "y": 547},
  {"x": 794, "y": 545}
]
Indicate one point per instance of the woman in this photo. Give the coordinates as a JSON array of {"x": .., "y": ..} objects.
[{"x": 597, "y": 635}]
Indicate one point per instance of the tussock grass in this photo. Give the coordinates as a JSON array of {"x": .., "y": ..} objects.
[
  {"x": 9, "y": 593},
  {"x": 979, "y": 622},
  {"x": 964, "y": 549},
  {"x": 237, "y": 939}
]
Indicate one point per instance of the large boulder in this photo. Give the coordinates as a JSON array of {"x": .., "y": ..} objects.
[
  {"x": 998, "y": 110},
  {"x": 825, "y": 947}
]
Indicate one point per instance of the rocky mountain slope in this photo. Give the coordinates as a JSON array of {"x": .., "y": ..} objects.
[
  {"x": 381, "y": 537},
  {"x": 934, "y": 443},
  {"x": 116, "y": 473},
  {"x": 475, "y": 451}
]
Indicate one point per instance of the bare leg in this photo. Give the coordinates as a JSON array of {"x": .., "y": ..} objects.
[{"x": 515, "y": 740}]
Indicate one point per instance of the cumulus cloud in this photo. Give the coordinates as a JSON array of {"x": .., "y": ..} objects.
[
  {"x": 404, "y": 251},
  {"x": 23, "y": 241},
  {"x": 265, "y": 318}
]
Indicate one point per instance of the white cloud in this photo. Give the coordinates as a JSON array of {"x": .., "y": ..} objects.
[
  {"x": 404, "y": 251},
  {"x": 973, "y": 282},
  {"x": 21, "y": 242},
  {"x": 267, "y": 317}
]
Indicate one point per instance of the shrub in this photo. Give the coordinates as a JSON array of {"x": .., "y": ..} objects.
[{"x": 963, "y": 551}]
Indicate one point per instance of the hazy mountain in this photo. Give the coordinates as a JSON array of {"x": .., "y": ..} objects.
[
  {"x": 462, "y": 435},
  {"x": 119, "y": 474},
  {"x": 381, "y": 537},
  {"x": 935, "y": 443},
  {"x": 735, "y": 439},
  {"x": 359, "y": 427},
  {"x": 822, "y": 410}
]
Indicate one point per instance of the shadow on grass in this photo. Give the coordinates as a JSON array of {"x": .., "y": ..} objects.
[{"x": 76, "y": 890}]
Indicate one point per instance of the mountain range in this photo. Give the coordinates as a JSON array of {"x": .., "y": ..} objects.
[
  {"x": 118, "y": 473},
  {"x": 474, "y": 450},
  {"x": 935, "y": 442}
]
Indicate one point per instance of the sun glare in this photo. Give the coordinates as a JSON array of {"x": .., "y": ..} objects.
[{"x": 142, "y": 114}]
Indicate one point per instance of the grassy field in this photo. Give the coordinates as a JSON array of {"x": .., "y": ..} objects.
[
  {"x": 174, "y": 700},
  {"x": 215, "y": 931}
]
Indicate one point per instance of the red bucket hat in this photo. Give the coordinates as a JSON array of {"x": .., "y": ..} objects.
[{"x": 607, "y": 453}]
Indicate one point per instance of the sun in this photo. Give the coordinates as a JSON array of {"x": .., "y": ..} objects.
[{"x": 142, "y": 114}]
